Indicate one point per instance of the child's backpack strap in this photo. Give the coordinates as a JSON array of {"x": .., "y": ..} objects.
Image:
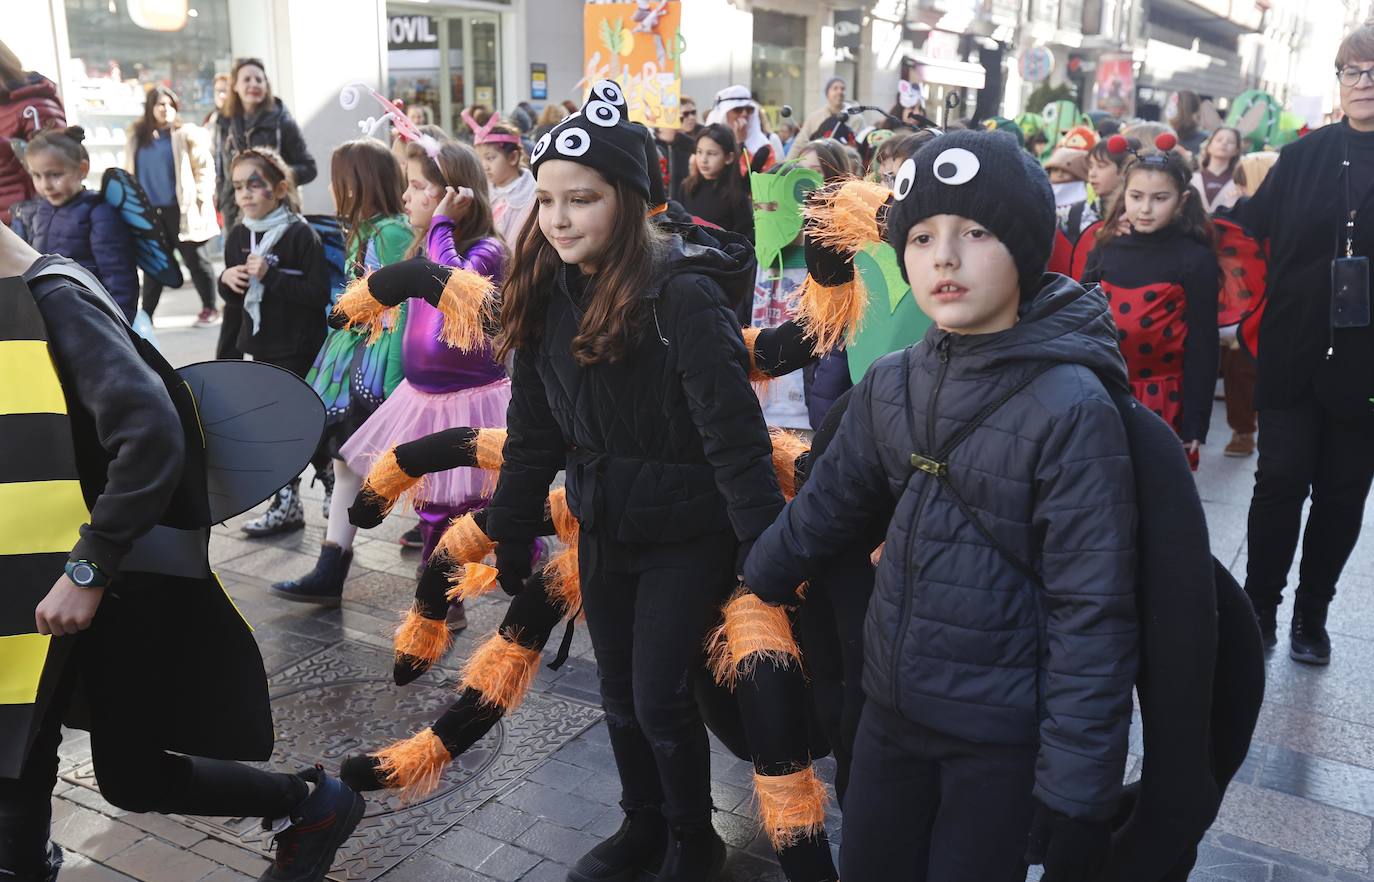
[{"x": 937, "y": 465}]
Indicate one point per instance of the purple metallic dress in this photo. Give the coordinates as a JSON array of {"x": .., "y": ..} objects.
[{"x": 442, "y": 388}]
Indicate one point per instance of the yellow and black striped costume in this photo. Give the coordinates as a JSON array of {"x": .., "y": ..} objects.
[{"x": 41, "y": 510}]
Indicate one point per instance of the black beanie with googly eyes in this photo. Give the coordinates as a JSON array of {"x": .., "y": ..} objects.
[
  {"x": 986, "y": 177},
  {"x": 599, "y": 136}
]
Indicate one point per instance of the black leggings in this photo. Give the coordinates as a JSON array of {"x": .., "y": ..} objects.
[
  {"x": 648, "y": 610},
  {"x": 192, "y": 254},
  {"x": 133, "y": 774},
  {"x": 926, "y": 807}
]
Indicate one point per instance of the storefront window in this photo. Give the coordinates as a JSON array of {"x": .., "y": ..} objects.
[
  {"x": 412, "y": 43},
  {"x": 119, "y": 49},
  {"x": 779, "y": 64},
  {"x": 444, "y": 62}
]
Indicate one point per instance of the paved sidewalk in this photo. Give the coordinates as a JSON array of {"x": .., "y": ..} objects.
[{"x": 527, "y": 801}]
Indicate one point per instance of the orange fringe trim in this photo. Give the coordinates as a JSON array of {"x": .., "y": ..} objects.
[
  {"x": 751, "y": 631},
  {"x": 831, "y": 316},
  {"x": 791, "y": 807},
  {"x": 389, "y": 482},
  {"x": 466, "y": 303},
  {"x": 362, "y": 310},
  {"x": 464, "y": 542},
  {"x": 845, "y": 218},
  {"x": 413, "y": 765},
  {"x": 490, "y": 446},
  {"x": 471, "y": 580},
  {"x": 501, "y": 670},
  {"x": 787, "y": 446},
  {"x": 422, "y": 638},
  {"x": 751, "y": 338},
  {"x": 565, "y": 526},
  {"x": 563, "y": 583}
]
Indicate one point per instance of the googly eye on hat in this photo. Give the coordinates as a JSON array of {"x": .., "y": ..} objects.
[
  {"x": 905, "y": 179},
  {"x": 603, "y": 113},
  {"x": 572, "y": 142},
  {"x": 600, "y": 136},
  {"x": 956, "y": 166},
  {"x": 541, "y": 146},
  {"x": 609, "y": 91}
]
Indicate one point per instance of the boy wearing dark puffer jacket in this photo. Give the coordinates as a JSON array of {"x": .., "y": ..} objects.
[{"x": 1000, "y": 647}]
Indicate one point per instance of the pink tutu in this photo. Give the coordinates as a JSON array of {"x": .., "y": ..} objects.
[{"x": 408, "y": 414}]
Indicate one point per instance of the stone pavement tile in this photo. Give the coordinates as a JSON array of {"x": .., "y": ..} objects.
[
  {"x": 562, "y": 808},
  {"x": 92, "y": 834},
  {"x": 1325, "y": 781},
  {"x": 500, "y": 821},
  {"x": 560, "y": 776},
  {"x": 1291, "y": 824},
  {"x": 737, "y": 830},
  {"x": 422, "y": 867},
  {"x": 1303, "y": 732},
  {"x": 741, "y": 867},
  {"x": 509, "y": 863},
  {"x": 273, "y": 563},
  {"x": 728, "y": 798},
  {"x": 163, "y": 827},
  {"x": 553, "y": 841},
  {"x": 224, "y": 874},
  {"x": 1214, "y": 862},
  {"x": 1340, "y": 690},
  {"x": 155, "y": 861},
  {"x": 1226, "y": 525},
  {"x": 596, "y": 757},
  {"x": 240, "y": 859},
  {"x": 547, "y": 871},
  {"x": 91, "y": 799},
  {"x": 1292, "y": 863},
  {"x": 464, "y": 847},
  {"x": 79, "y": 868},
  {"x": 607, "y": 823},
  {"x": 382, "y": 557},
  {"x": 602, "y": 787},
  {"x": 225, "y": 548}
]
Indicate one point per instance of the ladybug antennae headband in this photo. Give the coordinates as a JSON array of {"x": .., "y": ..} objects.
[{"x": 1166, "y": 141}]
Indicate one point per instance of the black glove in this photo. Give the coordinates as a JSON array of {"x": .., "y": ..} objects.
[
  {"x": 337, "y": 320},
  {"x": 416, "y": 277},
  {"x": 1071, "y": 849},
  {"x": 513, "y": 565},
  {"x": 826, "y": 265},
  {"x": 443, "y": 450},
  {"x": 783, "y": 349},
  {"x": 368, "y": 509}
]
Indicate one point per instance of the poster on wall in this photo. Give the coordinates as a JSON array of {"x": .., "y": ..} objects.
[
  {"x": 639, "y": 45},
  {"x": 539, "y": 81},
  {"x": 1115, "y": 92}
]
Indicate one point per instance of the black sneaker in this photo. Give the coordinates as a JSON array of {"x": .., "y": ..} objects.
[
  {"x": 638, "y": 845},
  {"x": 693, "y": 856},
  {"x": 1308, "y": 641},
  {"x": 1268, "y": 625},
  {"x": 322, "y": 585},
  {"x": 319, "y": 826},
  {"x": 412, "y": 538},
  {"x": 45, "y": 871}
]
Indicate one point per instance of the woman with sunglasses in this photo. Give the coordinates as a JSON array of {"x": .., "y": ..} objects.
[{"x": 681, "y": 144}]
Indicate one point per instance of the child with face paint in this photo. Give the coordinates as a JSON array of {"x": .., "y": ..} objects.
[
  {"x": 275, "y": 272},
  {"x": 993, "y": 442}
]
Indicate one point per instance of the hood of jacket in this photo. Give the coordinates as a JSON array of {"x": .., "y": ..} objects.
[
  {"x": 1062, "y": 323},
  {"x": 35, "y": 85},
  {"x": 726, "y": 257}
]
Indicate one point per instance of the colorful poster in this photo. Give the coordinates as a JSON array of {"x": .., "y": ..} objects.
[
  {"x": 1115, "y": 92},
  {"x": 639, "y": 45}
]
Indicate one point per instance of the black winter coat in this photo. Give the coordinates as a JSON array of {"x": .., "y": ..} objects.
[
  {"x": 294, "y": 299},
  {"x": 90, "y": 231},
  {"x": 668, "y": 444},
  {"x": 1298, "y": 209},
  {"x": 957, "y": 638},
  {"x": 273, "y": 127}
]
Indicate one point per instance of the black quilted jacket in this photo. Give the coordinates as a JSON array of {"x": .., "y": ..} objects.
[
  {"x": 957, "y": 637},
  {"x": 666, "y": 445}
]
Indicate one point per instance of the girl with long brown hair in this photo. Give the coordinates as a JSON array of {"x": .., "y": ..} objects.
[
  {"x": 353, "y": 377},
  {"x": 447, "y": 205},
  {"x": 630, "y": 373}
]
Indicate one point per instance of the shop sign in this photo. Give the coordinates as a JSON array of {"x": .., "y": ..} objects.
[
  {"x": 539, "y": 81},
  {"x": 412, "y": 32},
  {"x": 1115, "y": 90},
  {"x": 1036, "y": 64},
  {"x": 849, "y": 25},
  {"x": 640, "y": 46}
]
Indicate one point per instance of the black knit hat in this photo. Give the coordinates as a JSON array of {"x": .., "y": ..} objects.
[
  {"x": 599, "y": 136},
  {"x": 986, "y": 177}
]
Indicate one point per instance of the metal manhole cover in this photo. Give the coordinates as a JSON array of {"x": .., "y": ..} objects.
[{"x": 334, "y": 704}]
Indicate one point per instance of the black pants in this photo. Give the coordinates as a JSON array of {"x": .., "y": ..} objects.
[
  {"x": 1306, "y": 449},
  {"x": 831, "y": 627},
  {"x": 648, "y": 610},
  {"x": 192, "y": 254},
  {"x": 231, "y": 320},
  {"x": 927, "y": 807},
  {"x": 133, "y": 774}
]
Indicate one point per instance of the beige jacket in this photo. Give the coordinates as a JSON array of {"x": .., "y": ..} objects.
[{"x": 194, "y": 161}]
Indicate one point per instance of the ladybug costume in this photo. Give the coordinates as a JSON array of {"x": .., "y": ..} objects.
[{"x": 1163, "y": 288}]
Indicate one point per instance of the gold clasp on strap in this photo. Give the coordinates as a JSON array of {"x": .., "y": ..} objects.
[{"x": 928, "y": 465}]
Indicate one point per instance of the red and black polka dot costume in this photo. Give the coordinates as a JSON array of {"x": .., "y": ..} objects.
[{"x": 1163, "y": 290}]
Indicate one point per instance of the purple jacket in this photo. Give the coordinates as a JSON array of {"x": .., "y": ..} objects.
[
  {"x": 88, "y": 230},
  {"x": 429, "y": 364}
]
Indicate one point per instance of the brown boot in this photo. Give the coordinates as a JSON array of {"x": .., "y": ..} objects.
[{"x": 1242, "y": 444}]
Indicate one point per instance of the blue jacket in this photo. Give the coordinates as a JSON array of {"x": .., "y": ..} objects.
[
  {"x": 90, "y": 231},
  {"x": 956, "y": 637}
]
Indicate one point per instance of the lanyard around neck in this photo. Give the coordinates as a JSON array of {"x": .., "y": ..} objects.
[{"x": 1350, "y": 206}]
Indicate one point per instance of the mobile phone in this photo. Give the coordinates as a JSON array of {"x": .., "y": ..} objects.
[{"x": 1350, "y": 292}]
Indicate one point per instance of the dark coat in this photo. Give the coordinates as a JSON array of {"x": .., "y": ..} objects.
[
  {"x": 1298, "y": 210},
  {"x": 90, "y": 231},
  {"x": 666, "y": 445},
  {"x": 295, "y": 299},
  {"x": 273, "y": 127},
  {"x": 957, "y": 638}
]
